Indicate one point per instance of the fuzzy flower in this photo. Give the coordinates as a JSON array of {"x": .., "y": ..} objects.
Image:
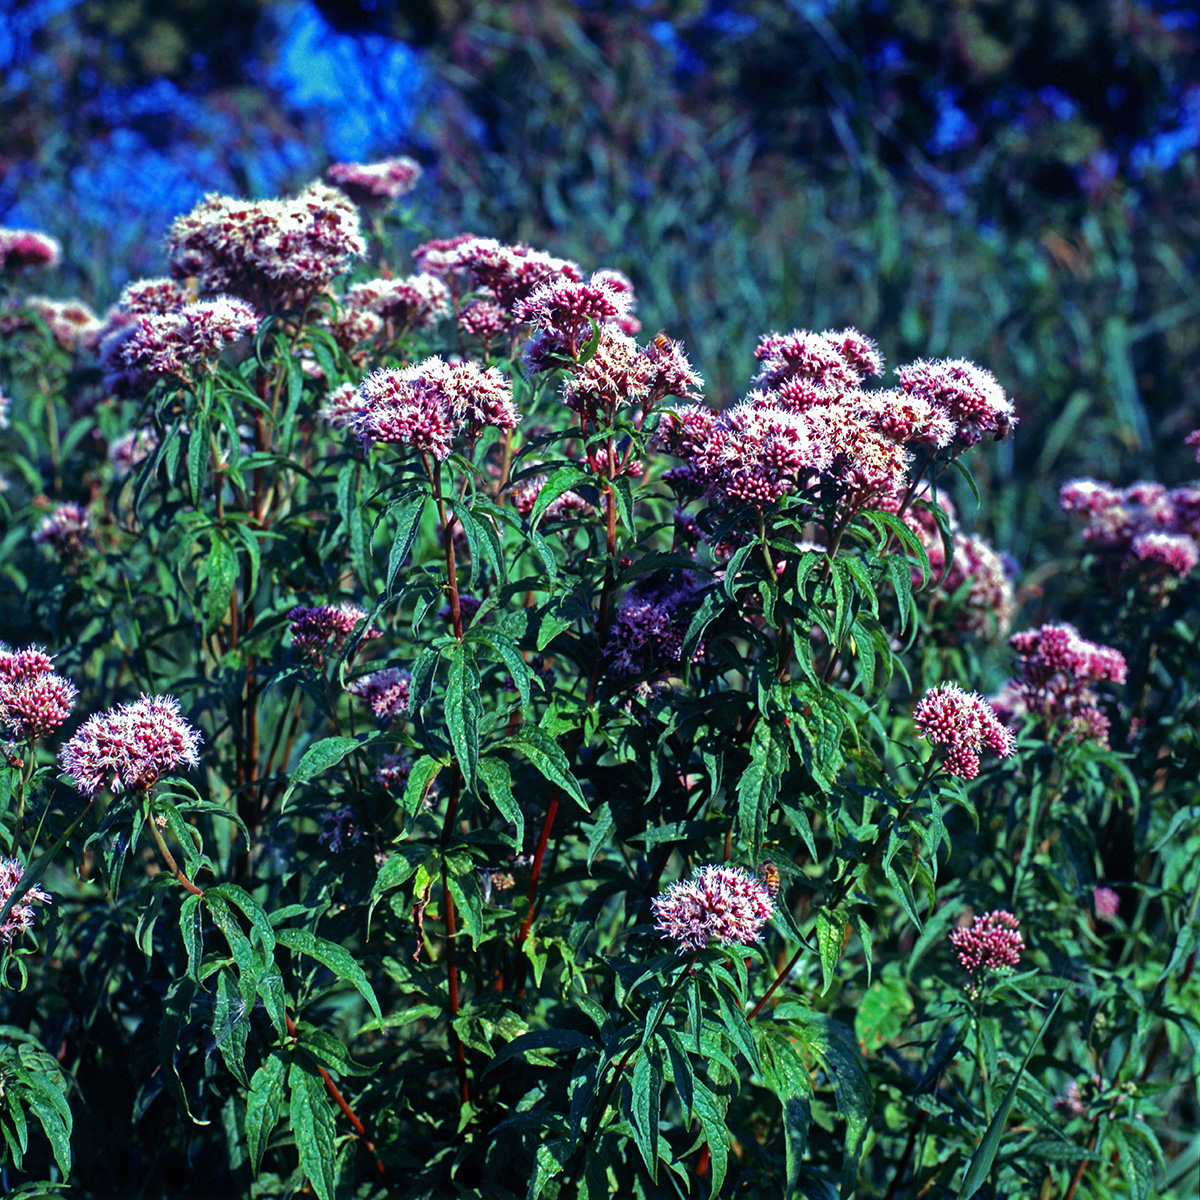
[
  {"x": 367, "y": 183},
  {"x": 393, "y": 771},
  {"x": 484, "y": 320},
  {"x": 34, "y": 700},
  {"x": 416, "y": 302},
  {"x": 173, "y": 343},
  {"x": 1055, "y": 677},
  {"x": 339, "y": 828},
  {"x": 384, "y": 692},
  {"x": 970, "y": 396},
  {"x": 646, "y": 638},
  {"x": 65, "y": 530},
  {"x": 673, "y": 373},
  {"x": 130, "y": 746},
  {"x": 132, "y": 448},
  {"x": 718, "y": 904},
  {"x": 964, "y": 723},
  {"x": 1176, "y": 552},
  {"x": 20, "y": 916},
  {"x": 427, "y": 405},
  {"x": 72, "y": 324},
  {"x": 27, "y": 248},
  {"x": 343, "y": 406},
  {"x": 323, "y": 630},
  {"x": 275, "y": 253},
  {"x": 524, "y": 493},
  {"x": 992, "y": 942},
  {"x": 802, "y": 354},
  {"x": 146, "y": 297},
  {"x": 1106, "y": 902}
]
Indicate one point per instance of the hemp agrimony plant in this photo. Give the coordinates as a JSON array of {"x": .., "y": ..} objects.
[{"x": 448, "y": 755}]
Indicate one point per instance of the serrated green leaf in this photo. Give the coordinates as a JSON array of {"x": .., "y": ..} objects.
[
  {"x": 264, "y": 1102},
  {"x": 497, "y": 778},
  {"x": 313, "y": 1128},
  {"x": 547, "y": 757},
  {"x": 329, "y": 954},
  {"x": 317, "y": 759}
]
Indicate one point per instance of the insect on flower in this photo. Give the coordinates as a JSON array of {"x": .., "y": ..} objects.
[
  {"x": 661, "y": 341},
  {"x": 768, "y": 874}
]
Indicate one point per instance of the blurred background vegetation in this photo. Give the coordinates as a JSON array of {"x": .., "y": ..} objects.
[{"x": 1015, "y": 182}]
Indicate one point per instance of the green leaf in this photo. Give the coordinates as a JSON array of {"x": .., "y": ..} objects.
[
  {"x": 646, "y": 1084},
  {"x": 547, "y": 756},
  {"x": 541, "y": 1039},
  {"x": 831, "y": 931},
  {"x": 563, "y": 480},
  {"x": 463, "y": 710},
  {"x": 317, "y": 759},
  {"x": 423, "y": 773},
  {"x": 54, "y": 1126},
  {"x": 313, "y": 1128},
  {"x": 329, "y": 954},
  {"x": 709, "y": 1110},
  {"x": 409, "y": 524},
  {"x": 758, "y": 787},
  {"x": 220, "y": 571},
  {"x": 498, "y": 780},
  {"x": 981, "y": 1162}
]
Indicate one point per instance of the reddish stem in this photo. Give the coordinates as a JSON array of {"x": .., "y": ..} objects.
[{"x": 460, "y": 1053}]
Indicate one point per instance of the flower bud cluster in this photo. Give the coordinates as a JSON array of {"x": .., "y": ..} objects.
[
  {"x": 646, "y": 638},
  {"x": 368, "y": 183},
  {"x": 175, "y": 343},
  {"x": 807, "y": 424},
  {"x": 1056, "y": 671},
  {"x": 72, "y": 324},
  {"x": 20, "y": 916},
  {"x": 428, "y": 405},
  {"x": 416, "y": 302},
  {"x": 34, "y": 700},
  {"x": 384, "y": 692},
  {"x": 27, "y": 248},
  {"x": 1142, "y": 526},
  {"x": 130, "y": 746},
  {"x": 65, "y": 530},
  {"x": 991, "y": 943},
  {"x": 964, "y": 724},
  {"x": 274, "y": 253},
  {"x": 323, "y": 630},
  {"x": 718, "y": 904}
]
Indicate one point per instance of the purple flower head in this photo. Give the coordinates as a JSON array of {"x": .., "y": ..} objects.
[
  {"x": 20, "y": 916},
  {"x": 1177, "y": 553},
  {"x": 34, "y": 700},
  {"x": 65, "y": 530},
  {"x": 72, "y": 324},
  {"x": 990, "y": 943},
  {"x": 1193, "y": 439},
  {"x": 275, "y": 253},
  {"x": 646, "y": 638},
  {"x": 27, "y": 248},
  {"x": 132, "y": 448},
  {"x": 173, "y": 343},
  {"x": 970, "y": 396},
  {"x": 384, "y": 692},
  {"x": 720, "y": 904},
  {"x": 417, "y": 302},
  {"x": 427, "y": 405},
  {"x": 963, "y": 723},
  {"x": 339, "y": 828},
  {"x": 1056, "y": 671},
  {"x": 618, "y": 374},
  {"x": 343, "y": 406},
  {"x": 816, "y": 357},
  {"x": 369, "y": 183},
  {"x": 130, "y": 746},
  {"x": 1106, "y": 902},
  {"x": 323, "y": 630},
  {"x": 145, "y": 297},
  {"x": 393, "y": 771}
]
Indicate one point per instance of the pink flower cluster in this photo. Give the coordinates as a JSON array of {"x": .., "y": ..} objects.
[
  {"x": 274, "y": 253},
  {"x": 366, "y": 183},
  {"x": 384, "y": 692},
  {"x": 324, "y": 629},
  {"x": 1106, "y": 902},
  {"x": 393, "y": 771},
  {"x": 343, "y": 406},
  {"x": 27, "y": 248},
  {"x": 808, "y": 423},
  {"x": 174, "y": 343},
  {"x": 1143, "y": 525},
  {"x": 1056, "y": 671},
  {"x": 646, "y": 638},
  {"x": 130, "y": 746},
  {"x": 20, "y": 916},
  {"x": 416, "y": 302},
  {"x": 428, "y": 405},
  {"x": 964, "y": 724},
  {"x": 718, "y": 904},
  {"x": 72, "y": 324},
  {"x": 34, "y": 700},
  {"x": 65, "y": 530},
  {"x": 992, "y": 942},
  {"x": 132, "y": 448},
  {"x": 501, "y": 273}
]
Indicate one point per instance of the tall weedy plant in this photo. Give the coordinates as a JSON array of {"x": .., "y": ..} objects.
[{"x": 505, "y": 774}]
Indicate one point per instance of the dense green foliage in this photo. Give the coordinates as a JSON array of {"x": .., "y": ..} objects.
[{"x": 290, "y": 967}]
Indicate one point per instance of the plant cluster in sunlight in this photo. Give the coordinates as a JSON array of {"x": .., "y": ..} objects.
[{"x": 446, "y": 754}]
